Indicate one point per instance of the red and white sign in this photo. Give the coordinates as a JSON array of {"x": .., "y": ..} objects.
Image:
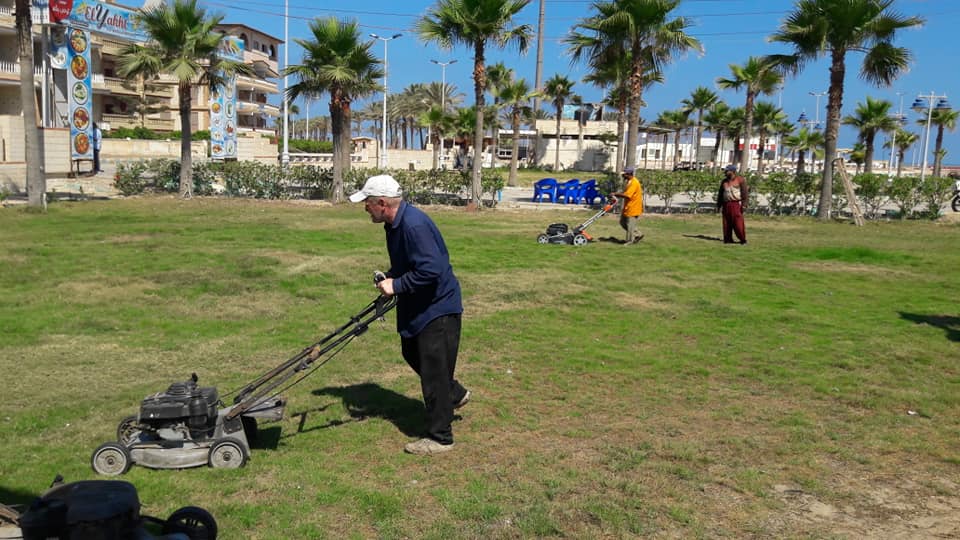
[{"x": 60, "y": 9}]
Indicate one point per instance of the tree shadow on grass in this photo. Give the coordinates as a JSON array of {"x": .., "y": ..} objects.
[
  {"x": 368, "y": 400},
  {"x": 949, "y": 324},
  {"x": 703, "y": 237}
]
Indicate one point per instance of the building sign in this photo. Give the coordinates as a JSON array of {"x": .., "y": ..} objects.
[
  {"x": 80, "y": 94},
  {"x": 60, "y": 9},
  {"x": 231, "y": 48},
  {"x": 223, "y": 121},
  {"x": 100, "y": 17}
]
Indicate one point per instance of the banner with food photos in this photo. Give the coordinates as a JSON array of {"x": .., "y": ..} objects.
[
  {"x": 223, "y": 121},
  {"x": 80, "y": 93}
]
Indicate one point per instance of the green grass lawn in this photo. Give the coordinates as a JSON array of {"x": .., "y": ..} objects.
[{"x": 806, "y": 385}]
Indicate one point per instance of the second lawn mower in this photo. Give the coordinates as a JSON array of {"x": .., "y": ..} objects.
[{"x": 560, "y": 233}]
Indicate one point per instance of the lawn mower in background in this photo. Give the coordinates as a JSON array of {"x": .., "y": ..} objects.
[
  {"x": 100, "y": 510},
  {"x": 560, "y": 233},
  {"x": 189, "y": 426}
]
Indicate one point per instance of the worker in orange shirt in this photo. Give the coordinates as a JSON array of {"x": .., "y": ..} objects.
[{"x": 632, "y": 196}]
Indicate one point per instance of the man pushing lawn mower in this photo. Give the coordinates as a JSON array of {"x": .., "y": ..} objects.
[
  {"x": 632, "y": 196},
  {"x": 428, "y": 305}
]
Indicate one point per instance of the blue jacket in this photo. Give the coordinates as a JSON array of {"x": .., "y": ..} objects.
[{"x": 423, "y": 279}]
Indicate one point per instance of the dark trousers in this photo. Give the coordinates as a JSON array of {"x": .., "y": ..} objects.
[
  {"x": 733, "y": 222},
  {"x": 96, "y": 160},
  {"x": 433, "y": 355}
]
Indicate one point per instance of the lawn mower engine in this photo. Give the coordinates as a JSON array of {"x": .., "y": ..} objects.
[{"x": 184, "y": 412}]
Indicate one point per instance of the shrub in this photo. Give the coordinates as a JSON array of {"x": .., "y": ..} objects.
[
  {"x": 935, "y": 192},
  {"x": 871, "y": 189},
  {"x": 902, "y": 192},
  {"x": 129, "y": 178},
  {"x": 311, "y": 147}
]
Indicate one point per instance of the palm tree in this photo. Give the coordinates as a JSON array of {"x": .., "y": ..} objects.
[
  {"x": 439, "y": 122},
  {"x": 643, "y": 29},
  {"x": 902, "y": 141},
  {"x": 870, "y": 118},
  {"x": 474, "y": 23},
  {"x": 517, "y": 98},
  {"x": 676, "y": 121},
  {"x": 701, "y": 99},
  {"x": 782, "y": 128},
  {"x": 766, "y": 115},
  {"x": 716, "y": 121},
  {"x": 499, "y": 76},
  {"x": 858, "y": 155},
  {"x": 736, "y": 117},
  {"x": 182, "y": 42},
  {"x": 944, "y": 119},
  {"x": 337, "y": 62},
  {"x": 36, "y": 182},
  {"x": 804, "y": 141},
  {"x": 757, "y": 76},
  {"x": 559, "y": 90},
  {"x": 818, "y": 28}
]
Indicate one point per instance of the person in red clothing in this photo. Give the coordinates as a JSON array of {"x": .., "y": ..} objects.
[
  {"x": 632, "y": 196},
  {"x": 732, "y": 202}
]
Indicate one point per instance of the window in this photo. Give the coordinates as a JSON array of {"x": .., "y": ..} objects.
[{"x": 246, "y": 43}]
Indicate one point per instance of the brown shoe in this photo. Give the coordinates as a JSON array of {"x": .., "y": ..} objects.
[{"x": 427, "y": 447}]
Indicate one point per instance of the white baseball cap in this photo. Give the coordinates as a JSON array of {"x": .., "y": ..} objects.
[{"x": 377, "y": 186}]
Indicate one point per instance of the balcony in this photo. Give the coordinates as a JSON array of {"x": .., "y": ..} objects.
[
  {"x": 250, "y": 83},
  {"x": 126, "y": 121},
  {"x": 6, "y": 66},
  {"x": 246, "y": 107},
  {"x": 120, "y": 86},
  {"x": 112, "y": 47}
]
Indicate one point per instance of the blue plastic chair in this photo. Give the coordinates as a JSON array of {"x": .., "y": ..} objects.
[
  {"x": 568, "y": 190},
  {"x": 588, "y": 192},
  {"x": 546, "y": 187}
]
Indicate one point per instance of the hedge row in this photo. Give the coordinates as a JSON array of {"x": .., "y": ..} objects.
[{"x": 261, "y": 181}]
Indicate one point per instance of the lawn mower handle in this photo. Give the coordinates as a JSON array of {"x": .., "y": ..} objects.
[{"x": 262, "y": 388}]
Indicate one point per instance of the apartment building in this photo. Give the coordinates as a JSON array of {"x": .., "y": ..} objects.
[{"x": 117, "y": 102}]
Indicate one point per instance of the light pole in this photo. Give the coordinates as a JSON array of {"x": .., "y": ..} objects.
[
  {"x": 818, "y": 95},
  {"x": 383, "y": 135},
  {"x": 893, "y": 139},
  {"x": 805, "y": 121},
  {"x": 919, "y": 105},
  {"x": 285, "y": 156},
  {"x": 443, "y": 83}
]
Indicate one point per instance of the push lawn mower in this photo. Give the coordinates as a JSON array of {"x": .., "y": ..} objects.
[
  {"x": 560, "y": 233},
  {"x": 101, "y": 510},
  {"x": 189, "y": 426}
]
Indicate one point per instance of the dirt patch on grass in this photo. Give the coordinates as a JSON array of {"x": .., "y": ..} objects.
[
  {"x": 128, "y": 238},
  {"x": 850, "y": 268},
  {"x": 344, "y": 265},
  {"x": 104, "y": 291},
  {"x": 878, "y": 507},
  {"x": 491, "y": 293}
]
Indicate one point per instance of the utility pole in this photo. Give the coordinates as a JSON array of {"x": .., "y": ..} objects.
[{"x": 539, "y": 74}]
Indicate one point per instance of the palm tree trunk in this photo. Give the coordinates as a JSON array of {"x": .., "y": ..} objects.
[
  {"x": 636, "y": 99},
  {"x": 937, "y": 153},
  {"x": 435, "y": 139},
  {"x": 346, "y": 145},
  {"x": 336, "y": 127},
  {"x": 868, "y": 153},
  {"x": 514, "y": 149},
  {"x": 900, "y": 161},
  {"x": 621, "y": 124},
  {"x": 716, "y": 150},
  {"x": 834, "y": 104},
  {"x": 696, "y": 149},
  {"x": 36, "y": 182},
  {"x": 663, "y": 156},
  {"x": 676, "y": 148},
  {"x": 556, "y": 156},
  {"x": 762, "y": 144},
  {"x": 479, "y": 83},
  {"x": 800, "y": 162},
  {"x": 186, "y": 159},
  {"x": 747, "y": 131}
]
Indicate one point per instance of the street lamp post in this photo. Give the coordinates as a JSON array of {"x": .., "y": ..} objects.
[
  {"x": 383, "y": 135},
  {"x": 443, "y": 83},
  {"x": 901, "y": 119},
  {"x": 285, "y": 156},
  {"x": 818, "y": 95},
  {"x": 919, "y": 105}
]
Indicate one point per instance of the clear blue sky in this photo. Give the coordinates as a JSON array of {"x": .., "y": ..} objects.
[{"x": 730, "y": 30}]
